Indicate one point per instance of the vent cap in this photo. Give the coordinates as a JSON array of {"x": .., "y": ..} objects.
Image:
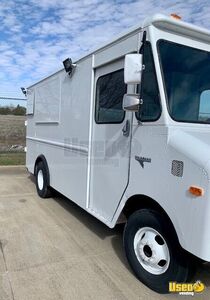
[{"x": 177, "y": 168}]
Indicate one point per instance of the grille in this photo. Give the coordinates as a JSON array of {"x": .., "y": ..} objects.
[{"x": 177, "y": 168}]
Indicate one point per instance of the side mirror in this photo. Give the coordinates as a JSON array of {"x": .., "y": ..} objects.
[
  {"x": 133, "y": 68},
  {"x": 131, "y": 102}
]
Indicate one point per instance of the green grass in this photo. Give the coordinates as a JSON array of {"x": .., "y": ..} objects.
[
  {"x": 12, "y": 132},
  {"x": 12, "y": 158}
]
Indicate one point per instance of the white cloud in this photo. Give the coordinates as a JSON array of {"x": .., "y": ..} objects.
[{"x": 37, "y": 35}]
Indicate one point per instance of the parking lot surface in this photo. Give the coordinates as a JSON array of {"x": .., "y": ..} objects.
[{"x": 52, "y": 249}]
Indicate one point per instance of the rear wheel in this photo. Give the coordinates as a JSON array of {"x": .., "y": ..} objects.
[
  {"x": 42, "y": 186},
  {"x": 153, "y": 251}
]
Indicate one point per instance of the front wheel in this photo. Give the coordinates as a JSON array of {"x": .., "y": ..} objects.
[{"x": 153, "y": 251}]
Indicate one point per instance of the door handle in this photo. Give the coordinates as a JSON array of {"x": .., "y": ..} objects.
[{"x": 126, "y": 128}]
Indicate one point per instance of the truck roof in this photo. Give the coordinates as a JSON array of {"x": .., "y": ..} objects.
[{"x": 158, "y": 20}]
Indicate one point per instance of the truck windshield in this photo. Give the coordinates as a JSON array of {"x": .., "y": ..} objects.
[{"x": 186, "y": 73}]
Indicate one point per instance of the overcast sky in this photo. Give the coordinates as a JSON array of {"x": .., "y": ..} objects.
[{"x": 37, "y": 35}]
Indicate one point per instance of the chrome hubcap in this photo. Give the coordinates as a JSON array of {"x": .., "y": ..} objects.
[
  {"x": 151, "y": 250},
  {"x": 40, "y": 180}
]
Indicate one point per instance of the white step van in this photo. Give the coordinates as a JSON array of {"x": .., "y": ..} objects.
[{"x": 124, "y": 132}]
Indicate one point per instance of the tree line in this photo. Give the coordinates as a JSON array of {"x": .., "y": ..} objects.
[{"x": 13, "y": 110}]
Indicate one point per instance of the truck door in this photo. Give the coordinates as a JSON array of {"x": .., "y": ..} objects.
[{"x": 111, "y": 137}]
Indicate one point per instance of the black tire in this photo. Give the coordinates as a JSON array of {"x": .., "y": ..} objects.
[
  {"x": 43, "y": 191},
  {"x": 179, "y": 267}
]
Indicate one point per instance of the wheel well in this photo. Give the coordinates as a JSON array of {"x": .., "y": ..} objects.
[
  {"x": 41, "y": 158},
  {"x": 138, "y": 202}
]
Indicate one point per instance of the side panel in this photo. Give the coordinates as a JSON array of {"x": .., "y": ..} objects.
[
  {"x": 64, "y": 143},
  {"x": 169, "y": 186}
]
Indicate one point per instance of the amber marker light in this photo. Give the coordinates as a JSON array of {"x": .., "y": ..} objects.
[
  {"x": 175, "y": 16},
  {"x": 196, "y": 191}
]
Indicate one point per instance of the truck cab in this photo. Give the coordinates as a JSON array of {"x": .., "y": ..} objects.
[{"x": 170, "y": 149}]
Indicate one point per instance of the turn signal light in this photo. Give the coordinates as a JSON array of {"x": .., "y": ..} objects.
[
  {"x": 196, "y": 191},
  {"x": 175, "y": 16}
]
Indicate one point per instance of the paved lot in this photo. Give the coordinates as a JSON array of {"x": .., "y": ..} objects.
[{"x": 51, "y": 249}]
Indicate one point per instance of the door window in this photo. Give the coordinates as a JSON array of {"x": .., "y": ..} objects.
[{"x": 110, "y": 90}]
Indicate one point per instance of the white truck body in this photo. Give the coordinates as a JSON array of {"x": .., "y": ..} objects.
[{"x": 97, "y": 166}]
